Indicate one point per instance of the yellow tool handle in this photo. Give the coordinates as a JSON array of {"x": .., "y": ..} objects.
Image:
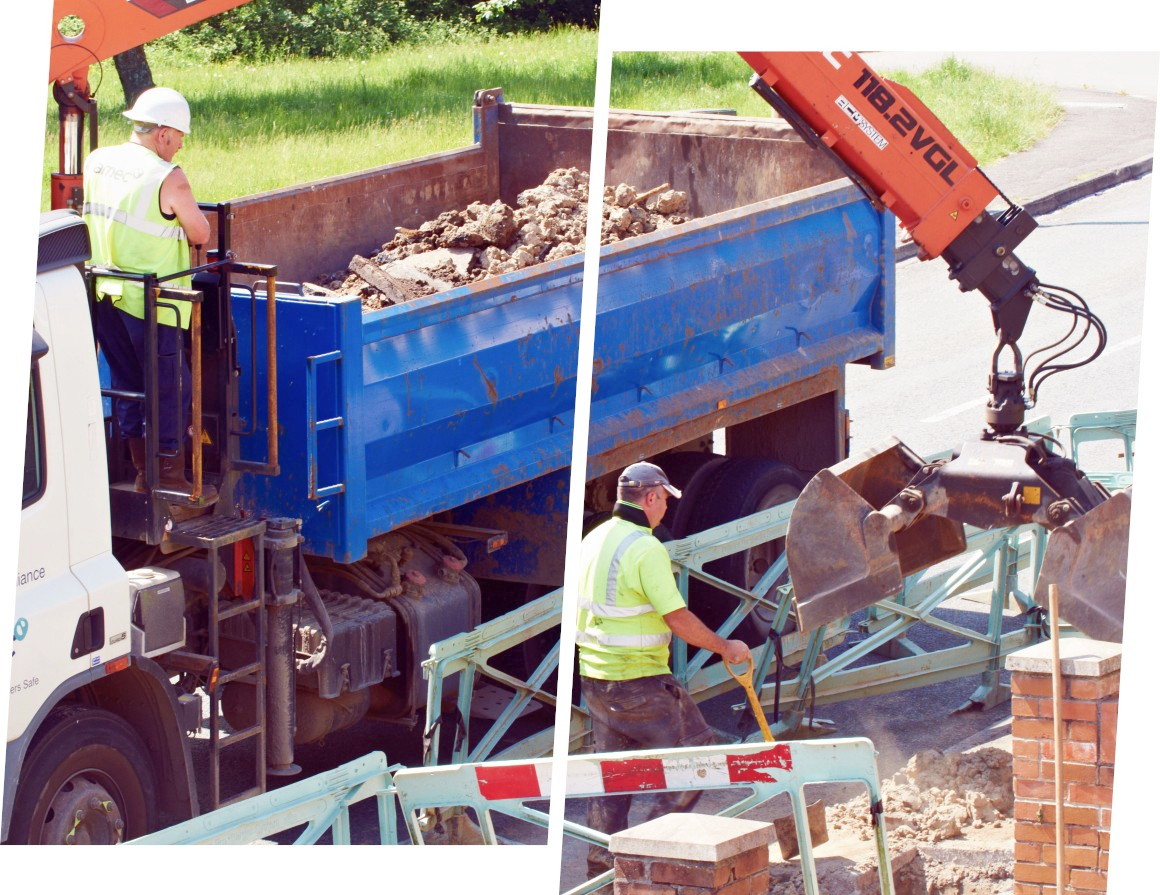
[{"x": 745, "y": 679}]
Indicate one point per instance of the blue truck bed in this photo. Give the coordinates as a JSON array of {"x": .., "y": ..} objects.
[{"x": 463, "y": 401}]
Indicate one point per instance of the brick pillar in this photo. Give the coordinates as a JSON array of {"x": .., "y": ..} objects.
[
  {"x": 1090, "y": 694},
  {"x": 692, "y": 854}
]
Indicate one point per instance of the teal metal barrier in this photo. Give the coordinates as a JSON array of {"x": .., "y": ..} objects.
[
  {"x": 994, "y": 558},
  {"x": 322, "y": 803},
  {"x": 758, "y": 771}
]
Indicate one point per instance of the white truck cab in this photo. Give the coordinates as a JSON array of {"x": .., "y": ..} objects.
[{"x": 92, "y": 728}]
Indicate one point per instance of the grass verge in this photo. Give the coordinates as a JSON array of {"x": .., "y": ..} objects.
[{"x": 259, "y": 127}]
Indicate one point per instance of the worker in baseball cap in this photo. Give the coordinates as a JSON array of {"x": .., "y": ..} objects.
[
  {"x": 142, "y": 218},
  {"x": 629, "y": 609}
]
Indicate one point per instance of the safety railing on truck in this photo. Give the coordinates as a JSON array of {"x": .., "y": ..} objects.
[{"x": 998, "y": 569}]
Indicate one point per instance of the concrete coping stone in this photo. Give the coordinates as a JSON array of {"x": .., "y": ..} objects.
[
  {"x": 1079, "y": 657},
  {"x": 692, "y": 837}
]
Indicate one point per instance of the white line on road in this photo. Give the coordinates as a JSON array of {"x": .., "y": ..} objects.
[{"x": 977, "y": 402}]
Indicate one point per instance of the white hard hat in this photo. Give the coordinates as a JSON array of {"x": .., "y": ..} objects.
[{"x": 163, "y": 106}]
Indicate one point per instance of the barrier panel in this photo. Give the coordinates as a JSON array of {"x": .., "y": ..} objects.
[
  {"x": 766, "y": 769},
  {"x": 321, "y": 802}
]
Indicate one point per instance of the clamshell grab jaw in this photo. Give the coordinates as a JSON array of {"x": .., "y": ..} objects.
[
  {"x": 1087, "y": 559},
  {"x": 861, "y": 527}
]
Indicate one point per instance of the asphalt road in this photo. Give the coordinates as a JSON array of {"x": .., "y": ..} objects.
[{"x": 934, "y": 396}]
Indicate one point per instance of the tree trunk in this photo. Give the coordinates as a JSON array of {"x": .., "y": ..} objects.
[{"x": 133, "y": 69}]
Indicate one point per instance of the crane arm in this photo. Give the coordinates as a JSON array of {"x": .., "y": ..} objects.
[
  {"x": 109, "y": 27},
  {"x": 860, "y": 527}
]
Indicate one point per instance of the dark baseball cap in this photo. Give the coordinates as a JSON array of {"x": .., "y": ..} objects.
[{"x": 646, "y": 475}]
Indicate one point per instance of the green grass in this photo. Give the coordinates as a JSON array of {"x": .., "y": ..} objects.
[
  {"x": 992, "y": 116},
  {"x": 259, "y": 127}
]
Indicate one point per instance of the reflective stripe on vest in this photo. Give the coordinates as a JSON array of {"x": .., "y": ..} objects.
[
  {"x": 133, "y": 222},
  {"x": 630, "y": 640}
]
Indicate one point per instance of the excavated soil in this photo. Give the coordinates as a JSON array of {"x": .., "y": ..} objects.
[
  {"x": 484, "y": 240},
  {"x": 949, "y": 828}
]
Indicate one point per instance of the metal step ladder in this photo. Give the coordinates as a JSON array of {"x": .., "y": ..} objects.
[{"x": 211, "y": 534}]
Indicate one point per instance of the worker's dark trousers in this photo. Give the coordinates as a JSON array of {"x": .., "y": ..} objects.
[
  {"x": 122, "y": 340},
  {"x": 645, "y": 713}
]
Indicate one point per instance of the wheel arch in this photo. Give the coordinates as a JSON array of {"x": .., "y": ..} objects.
[{"x": 143, "y": 697}]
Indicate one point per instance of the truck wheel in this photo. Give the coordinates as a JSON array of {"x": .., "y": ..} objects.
[
  {"x": 682, "y": 467},
  {"x": 88, "y": 780},
  {"x": 721, "y": 493}
]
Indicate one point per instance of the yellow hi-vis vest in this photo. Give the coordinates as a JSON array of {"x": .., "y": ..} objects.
[
  {"x": 626, "y": 587},
  {"x": 128, "y": 232}
]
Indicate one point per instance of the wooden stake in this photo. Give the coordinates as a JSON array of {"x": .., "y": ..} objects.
[{"x": 1057, "y": 730}]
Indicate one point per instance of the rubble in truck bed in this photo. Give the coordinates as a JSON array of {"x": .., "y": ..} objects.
[{"x": 484, "y": 240}]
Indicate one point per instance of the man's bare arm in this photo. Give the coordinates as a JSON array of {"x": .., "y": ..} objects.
[
  {"x": 685, "y": 624},
  {"x": 177, "y": 198}
]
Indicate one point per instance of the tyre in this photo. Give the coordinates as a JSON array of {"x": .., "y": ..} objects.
[
  {"x": 87, "y": 780},
  {"x": 722, "y": 492},
  {"x": 682, "y": 467}
]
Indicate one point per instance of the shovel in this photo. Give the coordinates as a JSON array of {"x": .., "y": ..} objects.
[{"x": 745, "y": 679}]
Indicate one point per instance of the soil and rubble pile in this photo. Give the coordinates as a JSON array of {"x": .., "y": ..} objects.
[
  {"x": 483, "y": 240},
  {"x": 949, "y": 828},
  {"x": 936, "y": 796}
]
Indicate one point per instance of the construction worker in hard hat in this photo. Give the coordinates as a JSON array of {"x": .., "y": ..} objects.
[
  {"x": 142, "y": 218},
  {"x": 629, "y": 608}
]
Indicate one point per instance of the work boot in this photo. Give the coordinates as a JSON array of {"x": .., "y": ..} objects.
[
  {"x": 173, "y": 478},
  {"x": 137, "y": 455}
]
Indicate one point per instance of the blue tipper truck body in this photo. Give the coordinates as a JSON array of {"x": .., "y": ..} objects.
[
  {"x": 457, "y": 408},
  {"x": 444, "y": 404}
]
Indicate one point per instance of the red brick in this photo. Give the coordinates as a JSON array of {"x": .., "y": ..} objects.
[
  {"x": 759, "y": 883},
  {"x": 703, "y": 874},
  {"x": 629, "y": 869},
  {"x": 1106, "y": 776},
  {"x": 1028, "y": 706},
  {"x": 1044, "y": 813},
  {"x": 1086, "y": 753},
  {"x": 737, "y": 887},
  {"x": 1080, "y": 732},
  {"x": 1084, "y": 794},
  {"x": 1083, "y": 836},
  {"x": 1034, "y": 832},
  {"x": 1089, "y": 879},
  {"x": 1029, "y": 852},
  {"x": 619, "y": 887},
  {"x": 1104, "y": 819},
  {"x": 1109, "y": 716},
  {"x": 1072, "y": 773},
  {"x": 1028, "y": 889},
  {"x": 1024, "y": 684},
  {"x": 1071, "y": 710},
  {"x": 1023, "y": 748},
  {"x": 1073, "y": 856},
  {"x": 1103, "y": 861},
  {"x": 750, "y": 862},
  {"x": 1026, "y": 768},
  {"x": 1091, "y": 687},
  {"x": 1032, "y": 729},
  {"x": 1105, "y": 839},
  {"x": 1034, "y": 873},
  {"x": 1034, "y": 789}
]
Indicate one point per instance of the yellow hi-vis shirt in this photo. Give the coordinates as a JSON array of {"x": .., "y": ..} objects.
[
  {"x": 128, "y": 231},
  {"x": 626, "y": 586}
]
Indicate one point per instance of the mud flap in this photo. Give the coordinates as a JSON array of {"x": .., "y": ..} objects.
[
  {"x": 842, "y": 553},
  {"x": 1088, "y": 559}
]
